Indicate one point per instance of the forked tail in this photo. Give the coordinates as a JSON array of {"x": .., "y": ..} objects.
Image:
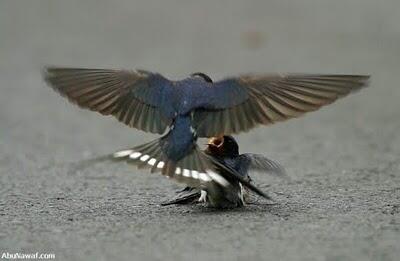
[{"x": 195, "y": 169}]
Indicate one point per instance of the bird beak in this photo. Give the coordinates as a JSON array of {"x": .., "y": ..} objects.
[{"x": 215, "y": 142}]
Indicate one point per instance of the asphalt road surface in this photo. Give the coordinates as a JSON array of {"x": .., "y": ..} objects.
[{"x": 342, "y": 202}]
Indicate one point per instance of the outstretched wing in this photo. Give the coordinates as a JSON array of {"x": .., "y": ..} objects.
[
  {"x": 133, "y": 97},
  {"x": 239, "y": 104},
  {"x": 248, "y": 162}
]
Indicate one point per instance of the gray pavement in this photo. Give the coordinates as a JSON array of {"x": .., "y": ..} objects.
[{"x": 342, "y": 202}]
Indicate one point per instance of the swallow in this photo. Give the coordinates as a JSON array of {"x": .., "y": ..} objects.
[
  {"x": 225, "y": 149},
  {"x": 195, "y": 107}
]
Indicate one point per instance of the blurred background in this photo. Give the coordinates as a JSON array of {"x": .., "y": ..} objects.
[{"x": 342, "y": 202}]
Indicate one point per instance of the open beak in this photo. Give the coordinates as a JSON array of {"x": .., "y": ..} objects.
[{"x": 215, "y": 142}]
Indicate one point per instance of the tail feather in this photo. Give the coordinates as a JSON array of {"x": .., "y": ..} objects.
[
  {"x": 169, "y": 169},
  {"x": 194, "y": 169}
]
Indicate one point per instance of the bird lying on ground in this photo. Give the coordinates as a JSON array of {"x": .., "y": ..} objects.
[{"x": 226, "y": 150}]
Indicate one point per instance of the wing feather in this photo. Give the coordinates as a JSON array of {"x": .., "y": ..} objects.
[
  {"x": 121, "y": 93},
  {"x": 248, "y": 101},
  {"x": 248, "y": 162}
]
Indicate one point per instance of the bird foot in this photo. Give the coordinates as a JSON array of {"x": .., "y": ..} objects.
[{"x": 203, "y": 196}]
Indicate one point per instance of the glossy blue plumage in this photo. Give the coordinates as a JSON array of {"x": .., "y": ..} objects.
[
  {"x": 195, "y": 107},
  {"x": 180, "y": 141}
]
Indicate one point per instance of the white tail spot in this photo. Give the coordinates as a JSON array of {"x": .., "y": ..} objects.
[
  {"x": 122, "y": 153},
  {"x": 144, "y": 157},
  {"x": 218, "y": 178},
  {"x": 195, "y": 174},
  {"x": 152, "y": 161},
  {"x": 204, "y": 177},
  {"x": 135, "y": 155},
  {"x": 160, "y": 164},
  {"x": 186, "y": 173}
]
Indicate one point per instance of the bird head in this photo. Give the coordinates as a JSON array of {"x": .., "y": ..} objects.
[{"x": 224, "y": 146}]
